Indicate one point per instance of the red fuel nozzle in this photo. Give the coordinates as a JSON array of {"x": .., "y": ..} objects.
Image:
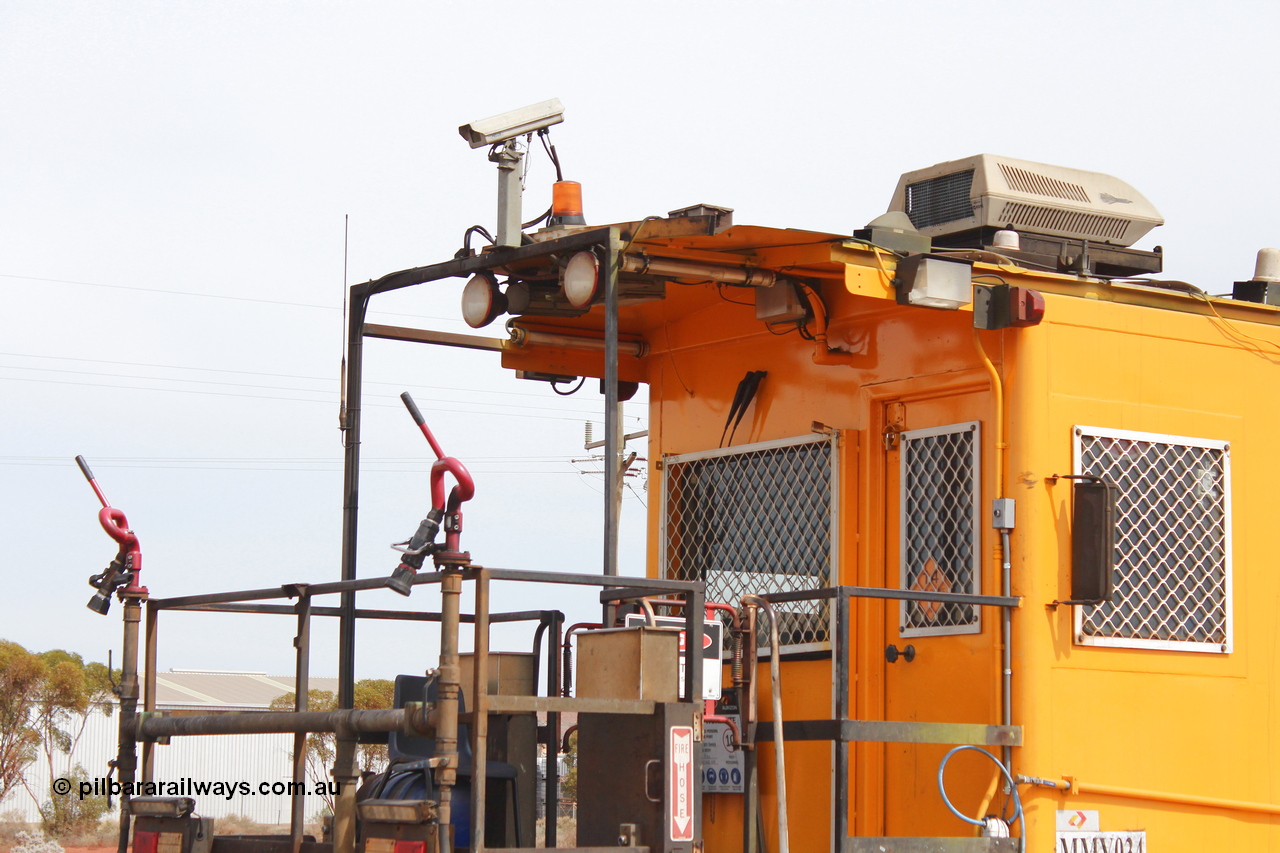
[
  {"x": 126, "y": 568},
  {"x": 449, "y": 512}
]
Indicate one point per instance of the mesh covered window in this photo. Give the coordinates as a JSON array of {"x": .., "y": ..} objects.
[
  {"x": 756, "y": 519},
  {"x": 940, "y": 532},
  {"x": 1172, "y": 574}
]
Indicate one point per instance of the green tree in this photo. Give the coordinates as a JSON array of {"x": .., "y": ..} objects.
[
  {"x": 569, "y": 781},
  {"x": 21, "y": 677},
  {"x": 46, "y": 700},
  {"x": 72, "y": 815},
  {"x": 71, "y": 692},
  {"x": 370, "y": 694}
]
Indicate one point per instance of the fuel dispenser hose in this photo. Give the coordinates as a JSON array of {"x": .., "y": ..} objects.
[{"x": 1013, "y": 788}]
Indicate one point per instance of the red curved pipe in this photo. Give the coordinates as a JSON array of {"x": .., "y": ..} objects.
[
  {"x": 117, "y": 526},
  {"x": 450, "y": 465}
]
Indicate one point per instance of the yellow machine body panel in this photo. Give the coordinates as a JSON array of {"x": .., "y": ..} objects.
[{"x": 1165, "y": 712}]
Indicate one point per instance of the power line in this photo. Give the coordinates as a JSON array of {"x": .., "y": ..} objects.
[
  {"x": 334, "y": 458},
  {"x": 278, "y": 398},
  {"x": 249, "y": 373},
  {"x": 319, "y": 464},
  {"x": 169, "y": 292},
  {"x": 199, "y": 295},
  {"x": 336, "y": 469},
  {"x": 262, "y": 387}
]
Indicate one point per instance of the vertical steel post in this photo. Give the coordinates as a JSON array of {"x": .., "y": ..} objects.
[
  {"x": 301, "y": 689},
  {"x": 350, "y": 426},
  {"x": 344, "y": 765},
  {"x": 151, "y": 638},
  {"x": 693, "y": 631},
  {"x": 509, "y": 159},
  {"x": 551, "y": 795},
  {"x": 840, "y": 657},
  {"x": 127, "y": 757},
  {"x": 480, "y": 712},
  {"x": 344, "y": 807},
  {"x": 612, "y": 426},
  {"x": 751, "y": 835},
  {"x": 449, "y": 687}
]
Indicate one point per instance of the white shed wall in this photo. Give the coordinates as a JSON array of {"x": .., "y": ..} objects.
[{"x": 229, "y": 758}]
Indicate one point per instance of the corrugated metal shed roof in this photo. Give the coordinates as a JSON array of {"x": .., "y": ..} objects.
[{"x": 202, "y": 689}]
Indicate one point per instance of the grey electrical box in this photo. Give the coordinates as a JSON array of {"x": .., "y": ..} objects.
[
  {"x": 779, "y": 304},
  {"x": 1002, "y": 514}
]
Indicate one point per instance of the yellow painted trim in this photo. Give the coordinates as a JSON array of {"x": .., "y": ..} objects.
[{"x": 1072, "y": 786}]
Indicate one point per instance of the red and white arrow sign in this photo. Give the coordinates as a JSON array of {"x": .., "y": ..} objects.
[{"x": 682, "y": 790}]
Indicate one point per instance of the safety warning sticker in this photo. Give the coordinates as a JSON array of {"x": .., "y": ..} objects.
[
  {"x": 721, "y": 759},
  {"x": 682, "y": 790}
]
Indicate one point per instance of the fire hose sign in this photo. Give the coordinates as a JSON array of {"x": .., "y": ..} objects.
[{"x": 682, "y": 789}]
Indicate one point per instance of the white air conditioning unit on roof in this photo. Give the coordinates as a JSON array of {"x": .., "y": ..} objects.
[{"x": 988, "y": 191}]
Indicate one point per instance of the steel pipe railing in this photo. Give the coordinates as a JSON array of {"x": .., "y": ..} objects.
[{"x": 412, "y": 719}]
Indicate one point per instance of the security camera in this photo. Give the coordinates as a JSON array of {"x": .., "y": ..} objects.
[{"x": 500, "y": 128}]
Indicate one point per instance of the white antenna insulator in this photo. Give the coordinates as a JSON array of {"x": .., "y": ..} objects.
[
  {"x": 1007, "y": 240},
  {"x": 1268, "y": 266}
]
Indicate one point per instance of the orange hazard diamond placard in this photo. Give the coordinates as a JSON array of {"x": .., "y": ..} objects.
[{"x": 930, "y": 579}]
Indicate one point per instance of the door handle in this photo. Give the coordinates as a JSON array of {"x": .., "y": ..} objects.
[
  {"x": 648, "y": 765},
  {"x": 891, "y": 654}
]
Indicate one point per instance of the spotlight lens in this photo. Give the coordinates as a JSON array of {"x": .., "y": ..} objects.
[
  {"x": 482, "y": 302},
  {"x": 581, "y": 279}
]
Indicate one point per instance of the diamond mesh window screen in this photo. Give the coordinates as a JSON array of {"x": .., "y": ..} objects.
[
  {"x": 756, "y": 519},
  {"x": 940, "y": 544},
  {"x": 1172, "y": 574}
]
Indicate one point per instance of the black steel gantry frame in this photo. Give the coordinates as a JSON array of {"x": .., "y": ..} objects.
[
  {"x": 607, "y": 243},
  {"x": 153, "y": 727}
]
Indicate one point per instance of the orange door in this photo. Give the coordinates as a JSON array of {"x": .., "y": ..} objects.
[{"x": 938, "y": 657}]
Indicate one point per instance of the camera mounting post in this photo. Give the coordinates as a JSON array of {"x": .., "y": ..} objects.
[{"x": 503, "y": 133}]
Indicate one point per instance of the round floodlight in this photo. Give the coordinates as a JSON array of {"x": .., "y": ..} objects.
[
  {"x": 581, "y": 279},
  {"x": 482, "y": 302}
]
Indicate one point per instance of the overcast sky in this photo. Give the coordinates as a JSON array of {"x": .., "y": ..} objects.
[{"x": 175, "y": 180}]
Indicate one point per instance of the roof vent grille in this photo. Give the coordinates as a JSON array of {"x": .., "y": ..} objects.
[
  {"x": 1048, "y": 220},
  {"x": 969, "y": 200},
  {"x": 941, "y": 199},
  {"x": 1023, "y": 180}
]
